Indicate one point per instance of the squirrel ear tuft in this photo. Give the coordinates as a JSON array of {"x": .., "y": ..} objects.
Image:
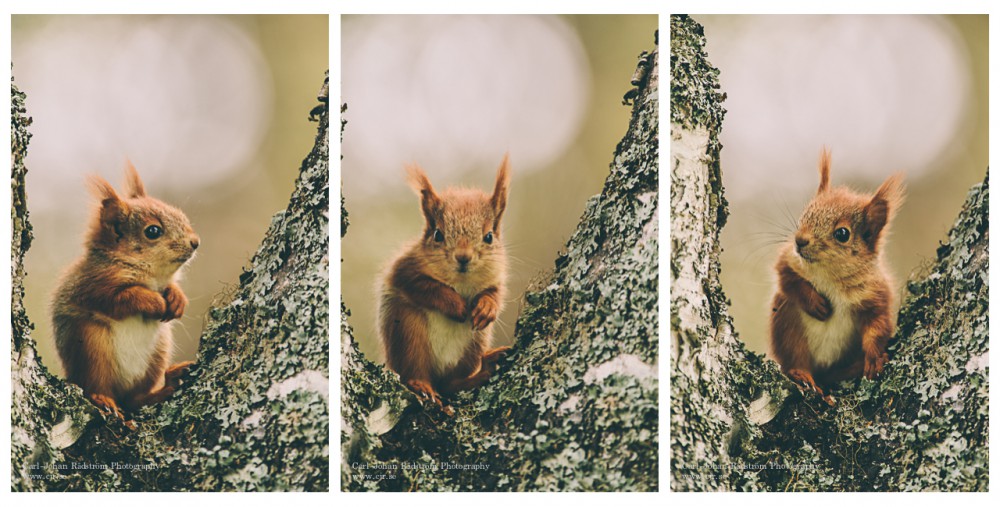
[
  {"x": 824, "y": 170},
  {"x": 113, "y": 209},
  {"x": 101, "y": 189},
  {"x": 879, "y": 211},
  {"x": 499, "y": 199},
  {"x": 892, "y": 191},
  {"x": 133, "y": 184},
  {"x": 430, "y": 203}
]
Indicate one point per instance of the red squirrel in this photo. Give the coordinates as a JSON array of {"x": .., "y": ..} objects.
[
  {"x": 441, "y": 295},
  {"x": 113, "y": 308},
  {"x": 832, "y": 315}
]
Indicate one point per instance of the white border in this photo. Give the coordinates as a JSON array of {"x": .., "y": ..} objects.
[
  {"x": 335, "y": 264},
  {"x": 336, "y": 7}
]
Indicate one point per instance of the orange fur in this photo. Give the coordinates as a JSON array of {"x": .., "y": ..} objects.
[
  {"x": 832, "y": 312},
  {"x": 112, "y": 308},
  {"x": 453, "y": 272},
  {"x": 824, "y": 170}
]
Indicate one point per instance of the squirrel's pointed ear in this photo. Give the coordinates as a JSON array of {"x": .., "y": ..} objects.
[
  {"x": 878, "y": 212},
  {"x": 113, "y": 210},
  {"x": 430, "y": 203},
  {"x": 102, "y": 189},
  {"x": 499, "y": 199},
  {"x": 824, "y": 170},
  {"x": 133, "y": 184}
]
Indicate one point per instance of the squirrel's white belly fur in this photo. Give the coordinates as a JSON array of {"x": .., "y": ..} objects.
[
  {"x": 135, "y": 342},
  {"x": 448, "y": 339},
  {"x": 830, "y": 339}
]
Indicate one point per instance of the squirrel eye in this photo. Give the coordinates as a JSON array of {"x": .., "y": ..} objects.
[
  {"x": 438, "y": 235},
  {"x": 153, "y": 232},
  {"x": 488, "y": 238},
  {"x": 842, "y": 235}
]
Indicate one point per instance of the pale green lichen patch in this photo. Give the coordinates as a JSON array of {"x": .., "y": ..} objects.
[
  {"x": 265, "y": 354},
  {"x": 695, "y": 94},
  {"x": 544, "y": 423},
  {"x": 935, "y": 396}
]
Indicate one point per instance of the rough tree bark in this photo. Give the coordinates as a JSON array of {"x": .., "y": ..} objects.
[
  {"x": 738, "y": 424},
  {"x": 575, "y": 406},
  {"x": 254, "y": 412}
]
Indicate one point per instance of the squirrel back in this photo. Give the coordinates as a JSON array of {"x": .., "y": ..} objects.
[
  {"x": 442, "y": 293},
  {"x": 832, "y": 313},
  {"x": 112, "y": 308}
]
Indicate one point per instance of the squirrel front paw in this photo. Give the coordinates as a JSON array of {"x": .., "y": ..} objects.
[
  {"x": 453, "y": 306},
  {"x": 175, "y": 301},
  {"x": 484, "y": 312},
  {"x": 818, "y": 307},
  {"x": 143, "y": 301}
]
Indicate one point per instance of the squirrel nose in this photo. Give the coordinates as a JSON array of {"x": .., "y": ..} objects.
[
  {"x": 463, "y": 258},
  {"x": 800, "y": 242},
  {"x": 195, "y": 242}
]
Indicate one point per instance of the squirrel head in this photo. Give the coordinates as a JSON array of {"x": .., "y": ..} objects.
[
  {"x": 462, "y": 238},
  {"x": 140, "y": 229},
  {"x": 843, "y": 230}
]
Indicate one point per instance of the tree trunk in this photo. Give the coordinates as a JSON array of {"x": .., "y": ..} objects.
[
  {"x": 574, "y": 407},
  {"x": 254, "y": 412},
  {"x": 737, "y": 423}
]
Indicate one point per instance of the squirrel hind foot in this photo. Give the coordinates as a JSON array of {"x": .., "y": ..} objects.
[
  {"x": 424, "y": 391},
  {"x": 173, "y": 374},
  {"x": 109, "y": 407},
  {"x": 487, "y": 368},
  {"x": 153, "y": 398},
  {"x": 107, "y": 404},
  {"x": 805, "y": 380},
  {"x": 874, "y": 364},
  {"x": 492, "y": 356}
]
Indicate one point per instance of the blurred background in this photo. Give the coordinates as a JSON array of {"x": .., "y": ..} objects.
[
  {"x": 885, "y": 93},
  {"x": 212, "y": 110},
  {"x": 453, "y": 94}
]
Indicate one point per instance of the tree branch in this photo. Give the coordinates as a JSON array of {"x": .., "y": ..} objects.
[
  {"x": 737, "y": 423},
  {"x": 575, "y": 406},
  {"x": 254, "y": 412}
]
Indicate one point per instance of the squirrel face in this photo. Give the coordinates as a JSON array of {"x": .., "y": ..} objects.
[
  {"x": 141, "y": 230},
  {"x": 841, "y": 230},
  {"x": 461, "y": 240}
]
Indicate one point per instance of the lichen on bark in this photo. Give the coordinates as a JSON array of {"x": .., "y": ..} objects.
[
  {"x": 253, "y": 414},
  {"x": 738, "y": 424},
  {"x": 575, "y": 406}
]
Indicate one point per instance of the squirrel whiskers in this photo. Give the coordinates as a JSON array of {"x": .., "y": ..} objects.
[
  {"x": 832, "y": 315},
  {"x": 441, "y": 295},
  {"x": 112, "y": 309}
]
